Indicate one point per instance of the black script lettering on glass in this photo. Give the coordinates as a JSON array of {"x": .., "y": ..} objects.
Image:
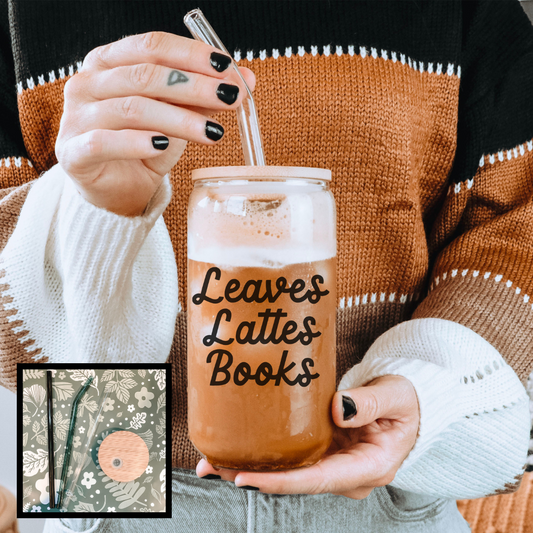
[
  {"x": 317, "y": 293},
  {"x": 242, "y": 374},
  {"x": 245, "y": 330},
  {"x": 219, "y": 368},
  {"x": 264, "y": 373},
  {"x": 209, "y": 340},
  {"x": 306, "y": 377},
  {"x": 251, "y": 290},
  {"x": 201, "y": 297},
  {"x": 307, "y": 337}
]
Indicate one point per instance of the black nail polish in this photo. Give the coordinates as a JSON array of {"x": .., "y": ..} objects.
[
  {"x": 211, "y": 476},
  {"x": 349, "y": 409},
  {"x": 219, "y": 62},
  {"x": 248, "y": 487},
  {"x": 213, "y": 131},
  {"x": 227, "y": 93},
  {"x": 160, "y": 142}
]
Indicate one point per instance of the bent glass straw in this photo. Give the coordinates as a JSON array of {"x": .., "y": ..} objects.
[
  {"x": 70, "y": 438},
  {"x": 251, "y": 140}
]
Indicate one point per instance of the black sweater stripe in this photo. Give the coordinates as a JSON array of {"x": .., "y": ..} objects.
[
  {"x": 492, "y": 41},
  {"x": 427, "y": 31}
]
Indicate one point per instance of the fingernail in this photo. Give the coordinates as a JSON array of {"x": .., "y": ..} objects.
[
  {"x": 349, "y": 409},
  {"x": 219, "y": 62},
  {"x": 211, "y": 476},
  {"x": 160, "y": 142},
  {"x": 213, "y": 131},
  {"x": 227, "y": 93},
  {"x": 248, "y": 487}
]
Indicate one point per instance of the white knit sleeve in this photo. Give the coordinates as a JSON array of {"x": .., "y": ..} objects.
[
  {"x": 474, "y": 413},
  {"x": 87, "y": 285}
]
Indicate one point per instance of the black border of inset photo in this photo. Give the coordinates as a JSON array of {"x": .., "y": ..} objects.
[{"x": 74, "y": 366}]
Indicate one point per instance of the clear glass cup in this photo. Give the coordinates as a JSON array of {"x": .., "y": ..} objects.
[{"x": 261, "y": 316}]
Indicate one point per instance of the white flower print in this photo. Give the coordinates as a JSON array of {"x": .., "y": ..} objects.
[
  {"x": 163, "y": 478},
  {"x": 109, "y": 404},
  {"x": 81, "y": 429},
  {"x": 131, "y": 408},
  {"x": 161, "y": 378},
  {"x": 149, "y": 469},
  {"x": 111, "y": 510},
  {"x": 61, "y": 375},
  {"x": 42, "y": 486},
  {"x": 163, "y": 453},
  {"x": 144, "y": 397},
  {"x": 76, "y": 441},
  {"x": 35, "y": 509},
  {"x": 138, "y": 420},
  {"x": 88, "y": 479}
]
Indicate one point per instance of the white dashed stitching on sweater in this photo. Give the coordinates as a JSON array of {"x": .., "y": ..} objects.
[
  {"x": 17, "y": 161},
  {"x": 327, "y": 50},
  {"x": 492, "y": 159},
  {"x": 372, "y": 298},
  {"x": 475, "y": 273}
]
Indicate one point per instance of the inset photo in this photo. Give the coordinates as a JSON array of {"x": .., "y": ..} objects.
[{"x": 96, "y": 436}]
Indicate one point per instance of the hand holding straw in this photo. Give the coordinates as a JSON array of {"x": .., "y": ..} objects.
[{"x": 252, "y": 143}]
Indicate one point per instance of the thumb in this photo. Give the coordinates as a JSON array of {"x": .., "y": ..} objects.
[{"x": 386, "y": 397}]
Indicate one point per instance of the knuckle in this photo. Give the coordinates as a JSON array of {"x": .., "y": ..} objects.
[
  {"x": 93, "y": 144},
  {"x": 70, "y": 88},
  {"x": 370, "y": 405},
  {"x": 59, "y": 150},
  {"x": 362, "y": 494},
  {"x": 198, "y": 86},
  {"x": 151, "y": 41},
  {"x": 98, "y": 56},
  {"x": 385, "y": 479},
  {"x": 130, "y": 107},
  {"x": 142, "y": 76},
  {"x": 64, "y": 154},
  {"x": 74, "y": 85},
  {"x": 187, "y": 123},
  {"x": 319, "y": 487}
]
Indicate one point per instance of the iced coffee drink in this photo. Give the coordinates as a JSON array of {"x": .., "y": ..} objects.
[{"x": 261, "y": 316}]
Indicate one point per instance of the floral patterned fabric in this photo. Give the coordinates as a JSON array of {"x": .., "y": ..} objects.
[{"x": 135, "y": 400}]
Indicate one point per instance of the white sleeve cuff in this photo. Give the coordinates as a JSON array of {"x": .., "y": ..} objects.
[
  {"x": 86, "y": 284},
  {"x": 458, "y": 376},
  {"x": 93, "y": 240}
]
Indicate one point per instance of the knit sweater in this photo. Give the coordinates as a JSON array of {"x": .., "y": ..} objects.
[{"x": 422, "y": 111}]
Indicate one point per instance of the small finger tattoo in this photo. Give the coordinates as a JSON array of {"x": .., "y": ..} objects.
[{"x": 177, "y": 77}]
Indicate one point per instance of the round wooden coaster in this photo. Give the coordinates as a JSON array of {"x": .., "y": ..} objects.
[{"x": 123, "y": 456}]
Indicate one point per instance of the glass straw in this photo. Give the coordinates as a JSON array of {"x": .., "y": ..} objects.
[
  {"x": 70, "y": 438},
  {"x": 252, "y": 143}
]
